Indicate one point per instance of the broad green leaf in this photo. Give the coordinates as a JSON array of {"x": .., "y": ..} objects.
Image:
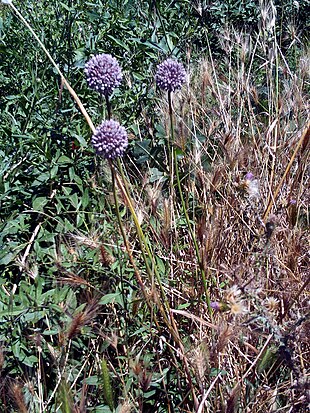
[
  {"x": 39, "y": 203},
  {"x": 110, "y": 298},
  {"x": 64, "y": 160}
]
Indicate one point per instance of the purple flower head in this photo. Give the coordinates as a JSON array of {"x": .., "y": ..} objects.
[
  {"x": 103, "y": 73},
  {"x": 170, "y": 75},
  {"x": 110, "y": 139}
]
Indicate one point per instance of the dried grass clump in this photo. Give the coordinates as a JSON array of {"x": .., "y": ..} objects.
[{"x": 245, "y": 173}]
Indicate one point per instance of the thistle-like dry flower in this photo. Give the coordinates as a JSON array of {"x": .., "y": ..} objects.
[
  {"x": 252, "y": 186},
  {"x": 110, "y": 139},
  {"x": 272, "y": 304},
  {"x": 170, "y": 75},
  {"x": 238, "y": 308},
  {"x": 233, "y": 294},
  {"x": 103, "y": 73}
]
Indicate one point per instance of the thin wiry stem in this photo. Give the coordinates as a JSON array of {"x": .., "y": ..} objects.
[
  {"x": 304, "y": 136},
  {"x": 203, "y": 275},
  {"x": 147, "y": 253},
  {"x": 109, "y": 109}
]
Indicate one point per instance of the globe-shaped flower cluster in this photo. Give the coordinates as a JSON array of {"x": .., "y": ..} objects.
[
  {"x": 170, "y": 75},
  {"x": 110, "y": 139},
  {"x": 103, "y": 73}
]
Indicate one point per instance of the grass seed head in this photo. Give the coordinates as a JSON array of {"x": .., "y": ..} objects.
[{"x": 16, "y": 394}]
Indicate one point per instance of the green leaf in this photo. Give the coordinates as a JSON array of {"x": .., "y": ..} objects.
[
  {"x": 74, "y": 200},
  {"x": 85, "y": 198},
  {"x": 7, "y": 258},
  {"x": 92, "y": 381},
  {"x": 66, "y": 190},
  {"x": 39, "y": 203},
  {"x": 30, "y": 361},
  {"x": 64, "y": 160},
  {"x": 81, "y": 140},
  {"x": 119, "y": 42},
  {"x": 267, "y": 359},
  {"x": 70, "y": 9},
  {"x": 12, "y": 312},
  {"x": 155, "y": 175},
  {"x": 51, "y": 332},
  {"x": 110, "y": 298}
]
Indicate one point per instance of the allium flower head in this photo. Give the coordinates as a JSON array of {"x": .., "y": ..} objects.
[
  {"x": 170, "y": 75},
  {"x": 103, "y": 73},
  {"x": 110, "y": 139}
]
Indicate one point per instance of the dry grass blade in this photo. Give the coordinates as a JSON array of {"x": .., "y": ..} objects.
[{"x": 304, "y": 138}]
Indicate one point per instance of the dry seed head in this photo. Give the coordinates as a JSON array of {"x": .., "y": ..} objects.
[
  {"x": 268, "y": 13},
  {"x": 140, "y": 216},
  {"x": 304, "y": 66},
  {"x": 16, "y": 394},
  {"x": 125, "y": 407},
  {"x": 1, "y": 358},
  {"x": 238, "y": 308},
  {"x": 154, "y": 194},
  {"x": 254, "y": 94},
  {"x": 89, "y": 241},
  {"x": 105, "y": 257},
  {"x": 167, "y": 215},
  {"x": 83, "y": 318},
  {"x": 271, "y": 304},
  {"x": 252, "y": 186},
  {"x": 200, "y": 361},
  {"x": 233, "y": 294}
]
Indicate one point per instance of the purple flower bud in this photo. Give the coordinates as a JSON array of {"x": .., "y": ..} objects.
[
  {"x": 215, "y": 305},
  {"x": 103, "y": 73},
  {"x": 249, "y": 176},
  {"x": 110, "y": 139},
  {"x": 170, "y": 75}
]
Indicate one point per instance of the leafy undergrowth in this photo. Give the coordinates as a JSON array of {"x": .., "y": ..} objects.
[{"x": 176, "y": 279}]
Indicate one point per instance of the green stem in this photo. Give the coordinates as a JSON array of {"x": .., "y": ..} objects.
[
  {"x": 177, "y": 174},
  {"x": 170, "y": 140},
  {"x": 157, "y": 9},
  {"x": 147, "y": 253},
  {"x": 108, "y": 103},
  {"x": 119, "y": 219}
]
